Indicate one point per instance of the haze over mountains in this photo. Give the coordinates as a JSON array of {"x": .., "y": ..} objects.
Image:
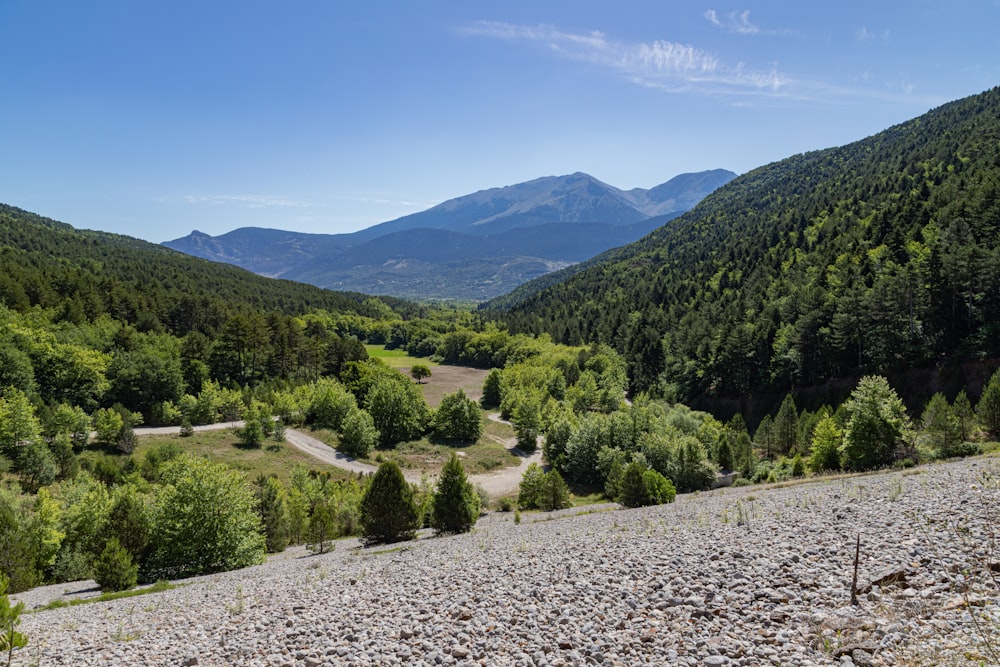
[{"x": 473, "y": 247}]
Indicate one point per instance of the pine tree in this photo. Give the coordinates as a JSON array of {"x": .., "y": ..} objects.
[
  {"x": 273, "y": 510},
  {"x": 555, "y": 493},
  {"x": 942, "y": 426},
  {"x": 530, "y": 489},
  {"x": 10, "y": 618},
  {"x": 456, "y": 505},
  {"x": 388, "y": 513},
  {"x": 964, "y": 414},
  {"x": 786, "y": 427},
  {"x": 826, "y": 444},
  {"x": 114, "y": 569},
  {"x": 988, "y": 409},
  {"x": 633, "y": 490},
  {"x": 322, "y": 525}
]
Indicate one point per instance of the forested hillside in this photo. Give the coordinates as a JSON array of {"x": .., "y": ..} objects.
[
  {"x": 86, "y": 274},
  {"x": 879, "y": 256}
]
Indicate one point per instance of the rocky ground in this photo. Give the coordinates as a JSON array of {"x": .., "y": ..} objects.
[{"x": 747, "y": 576}]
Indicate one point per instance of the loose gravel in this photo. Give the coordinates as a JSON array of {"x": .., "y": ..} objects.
[{"x": 744, "y": 576}]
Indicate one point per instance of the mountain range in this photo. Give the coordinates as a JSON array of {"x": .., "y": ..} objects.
[{"x": 473, "y": 247}]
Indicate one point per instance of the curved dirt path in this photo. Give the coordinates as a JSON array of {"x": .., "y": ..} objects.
[
  {"x": 495, "y": 483},
  {"x": 507, "y": 480},
  {"x": 327, "y": 454},
  {"x": 170, "y": 430}
]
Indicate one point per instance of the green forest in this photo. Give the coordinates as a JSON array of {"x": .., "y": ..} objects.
[{"x": 881, "y": 256}]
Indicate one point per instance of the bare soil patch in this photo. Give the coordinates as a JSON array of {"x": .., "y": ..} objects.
[{"x": 447, "y": 379}]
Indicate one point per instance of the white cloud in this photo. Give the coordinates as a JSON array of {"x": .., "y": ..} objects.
[
  {"x": 251, "y": 201},
  {"x": 660, "y": 64},
  {"x": 737, "y": 22},
  {"x": 684, "y": 68}
]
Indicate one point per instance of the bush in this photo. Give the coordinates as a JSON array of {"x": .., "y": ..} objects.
[
  {"x": 205, "y": 520},
  {"x": 641, "y": 487},
  {"x": 388, "y": 513},
  {"x": 359, "y": 435},
  {"x": 10, "y": 638},
  {"x": 660, "y": 489},
  {"x": 114, "y": 569}
]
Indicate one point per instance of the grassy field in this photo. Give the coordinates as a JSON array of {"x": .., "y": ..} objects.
[
  {"x": 223, "y": 447},
  {"x": 397, "y": 358}
]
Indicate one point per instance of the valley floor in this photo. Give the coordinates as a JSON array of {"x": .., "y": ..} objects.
[{"x": 745, "y": 576}]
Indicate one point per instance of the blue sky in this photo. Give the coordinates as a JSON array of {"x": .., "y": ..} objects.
[{"x": 155, "y": 118}]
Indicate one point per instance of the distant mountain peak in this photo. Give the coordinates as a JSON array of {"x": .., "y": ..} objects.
[{"x": 537, "y": 225}]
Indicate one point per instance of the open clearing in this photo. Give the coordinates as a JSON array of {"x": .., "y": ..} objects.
[
  {"x": 223, "y": 446},
  {"x": 397, "y": 358}
]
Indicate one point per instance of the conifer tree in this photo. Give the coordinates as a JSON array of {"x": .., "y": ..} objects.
[
  {"x": 388, "y": 513},
  {"x": 988, "y": 409},
  {"x": 114, "y": 569},
  {"x": 456, "y": 505}
]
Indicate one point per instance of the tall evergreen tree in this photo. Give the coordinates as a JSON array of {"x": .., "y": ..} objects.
[
  {"x": 455, "y": 507},
  {"x": 988, "y": 408},
  {"x": 786, "y": 427},
  {"x": 388, "y": 513}
]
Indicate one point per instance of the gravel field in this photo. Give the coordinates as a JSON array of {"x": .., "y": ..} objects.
[{"x": 748, "y": 576}]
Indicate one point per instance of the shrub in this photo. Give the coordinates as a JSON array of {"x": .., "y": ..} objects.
[
  {"x": 388, "y": 513},
  {"x": 660, "y": 489},
  {"x": 114, "y": 569},
  {"x": 359, "y": 435},
  {"x": 641, "y": 487},
  {"x": 205, "y": 520},
  {"x": 10, "y": 638}
]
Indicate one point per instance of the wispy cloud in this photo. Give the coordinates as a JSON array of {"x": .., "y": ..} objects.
[
  {"x": 684, "y": 68},
  {"x": 864, "y": 35},
  {"x": 660, "y": 64},
  {"x": 738, "y": 22},
  {"x": 250, "y": 201}
]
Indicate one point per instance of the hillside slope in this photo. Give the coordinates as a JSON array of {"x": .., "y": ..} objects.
[
  {"x": 879, "y": 256},
  {"x": 473, "y": 247},
  {"x": 85, "y": 274},
  {"x": 741, "y": 577}
]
